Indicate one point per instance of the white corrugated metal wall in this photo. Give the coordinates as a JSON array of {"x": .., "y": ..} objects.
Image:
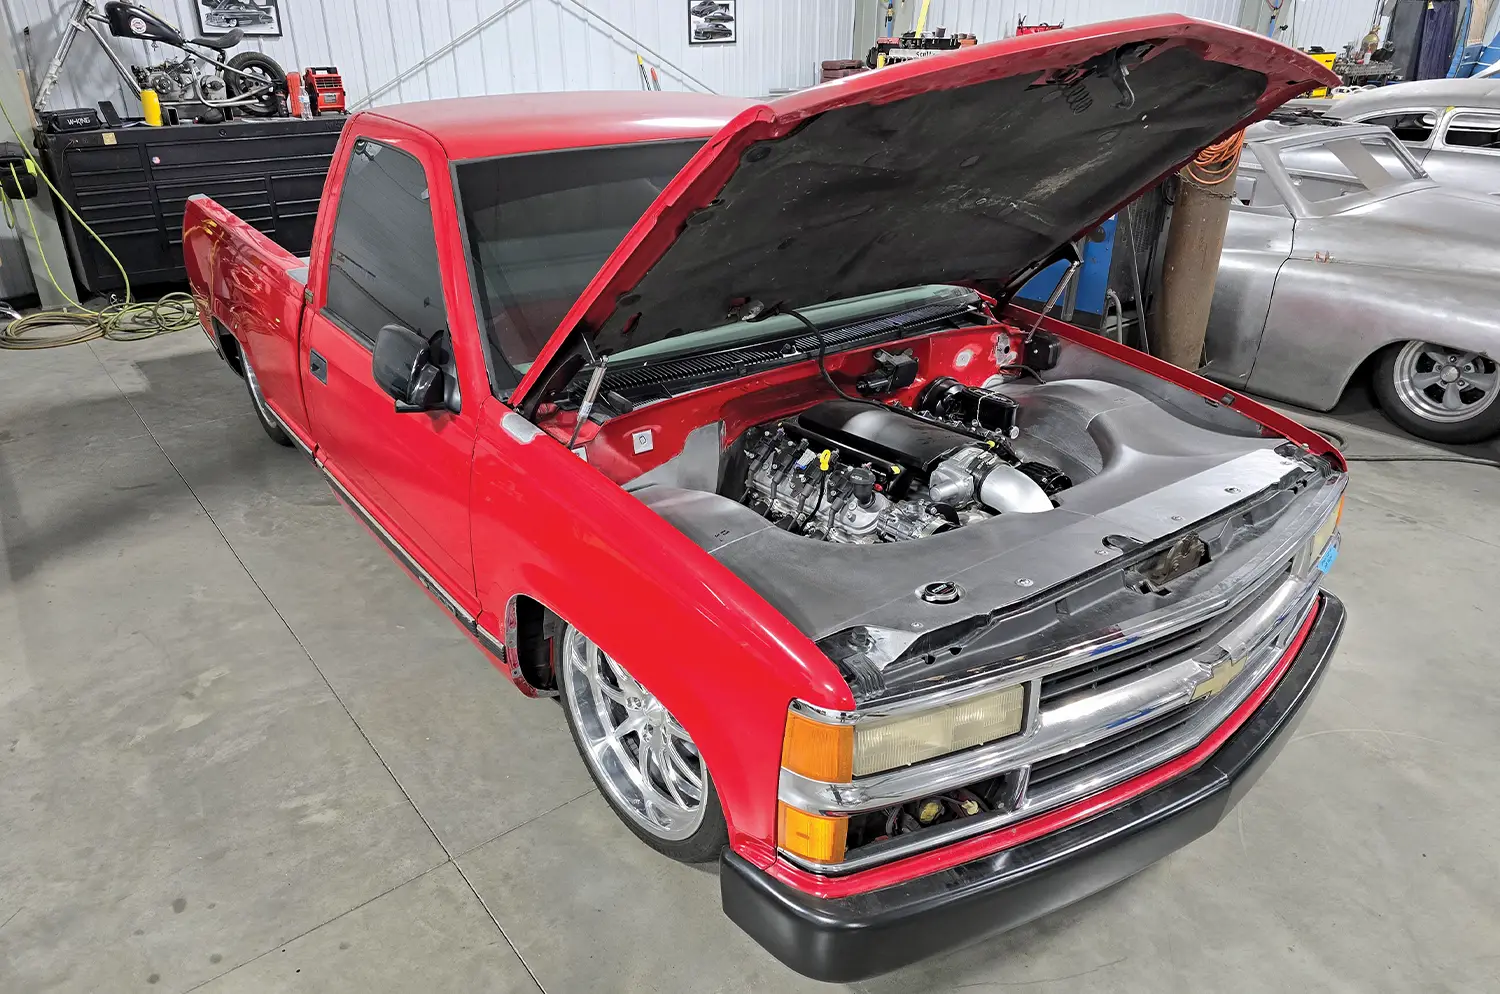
[
  {"x": 486, "y": 46},
  {"x": 1330, "y": 23},
  {"x": 456, "y": 47},
  {"x": 992, "y": 19},
  {"x": 396, "y": 50}
]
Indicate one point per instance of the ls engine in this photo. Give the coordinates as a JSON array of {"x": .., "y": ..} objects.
[{"x": 864, "y": 471}]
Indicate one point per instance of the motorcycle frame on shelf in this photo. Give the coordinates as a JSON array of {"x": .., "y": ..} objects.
[{"x": 86, "y": 17}]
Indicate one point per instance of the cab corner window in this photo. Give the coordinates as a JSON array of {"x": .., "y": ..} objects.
[{"x": 384, "y": 266}]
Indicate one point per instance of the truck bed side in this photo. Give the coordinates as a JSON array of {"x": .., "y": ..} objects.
[{"x": 250, "y": 294}]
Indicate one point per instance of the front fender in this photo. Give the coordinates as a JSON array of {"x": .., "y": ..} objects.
[{"x": 550, "y": 526}]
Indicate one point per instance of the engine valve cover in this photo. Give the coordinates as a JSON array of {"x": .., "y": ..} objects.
[{"x": 862, "y": 472}]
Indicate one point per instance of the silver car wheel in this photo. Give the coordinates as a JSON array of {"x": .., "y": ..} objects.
[
  {"x": 1441, "y": 384},
  {"x": 256, "y": 397},
  {"x": 637, "y": 751}
]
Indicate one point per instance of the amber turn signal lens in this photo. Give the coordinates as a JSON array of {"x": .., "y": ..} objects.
[
  {"x": 818, "y": 751},
  {"x": 813, "y": 837}
]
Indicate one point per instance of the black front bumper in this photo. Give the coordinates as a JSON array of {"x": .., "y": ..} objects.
[{"x": 852, "y": 938}]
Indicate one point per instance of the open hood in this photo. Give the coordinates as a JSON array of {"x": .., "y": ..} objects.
[{"x": 967, "y": 167}]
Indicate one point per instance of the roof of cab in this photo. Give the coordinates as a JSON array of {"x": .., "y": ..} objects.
[
  {"x": 1434, "y": 93},
  {"x": 513, "y": 124}
]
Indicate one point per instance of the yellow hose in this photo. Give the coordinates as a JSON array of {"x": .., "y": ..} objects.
[{"x": 124, "y": 320}]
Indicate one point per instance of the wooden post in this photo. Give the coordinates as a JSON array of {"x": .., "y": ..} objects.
[
  {"x": 1194, "y": 242},
  {"x": 1189, "y": 268}
]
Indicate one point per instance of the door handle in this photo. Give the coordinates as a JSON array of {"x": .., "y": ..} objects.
[{"x": 317, "y": 365}]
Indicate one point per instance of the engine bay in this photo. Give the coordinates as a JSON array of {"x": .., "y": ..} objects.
[
  {"x": 1041, "y": 470},
  {"x": 866, "y": 471}
]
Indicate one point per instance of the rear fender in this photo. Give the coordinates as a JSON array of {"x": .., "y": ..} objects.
[
  {"x": 247, "y": 285},
  {"x": 1327, "y": 319}
]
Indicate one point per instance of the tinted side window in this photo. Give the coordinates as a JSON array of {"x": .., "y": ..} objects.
[
  {"x": 384, "y": 267},
  {"x": 1474, "y": 131},
  {"x": 1412, "y": 127},
  {"x": 541, "y": 225}
]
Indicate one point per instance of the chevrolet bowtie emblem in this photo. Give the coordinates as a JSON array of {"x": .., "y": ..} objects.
[{"x": 1224, "y": 671}]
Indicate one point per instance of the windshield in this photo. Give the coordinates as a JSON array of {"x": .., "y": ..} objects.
[
  {"x": 829, "y": 315},
  {"x": 540, "y": 226}
]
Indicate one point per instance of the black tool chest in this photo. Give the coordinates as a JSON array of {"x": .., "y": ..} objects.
[{"x": 131, "y": 184}]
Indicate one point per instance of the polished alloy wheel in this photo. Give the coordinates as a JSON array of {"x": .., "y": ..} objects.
[
  {"x": 256, "y": 396},
  {"x": 639, "y": 754},
  {"x": 268, "y": 421},
  {"x": 1442, "y": 384}
]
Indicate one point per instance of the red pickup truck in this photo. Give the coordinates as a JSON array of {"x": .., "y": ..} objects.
[{"x": 923, "y": 613}]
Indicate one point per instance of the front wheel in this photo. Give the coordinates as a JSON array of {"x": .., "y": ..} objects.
[
  {"x": 263, "y": 75},
  {"x": 1439, "y": 393},
  {"x": 641, "y": 758}
]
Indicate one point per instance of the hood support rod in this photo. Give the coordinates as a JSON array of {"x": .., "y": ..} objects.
[{"x": 1062, "y": 287}]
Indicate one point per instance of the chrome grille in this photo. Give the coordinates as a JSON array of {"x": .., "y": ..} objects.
[
  {"x": 1107, "y": 671},
  {"x": 1087, "y": 761}
]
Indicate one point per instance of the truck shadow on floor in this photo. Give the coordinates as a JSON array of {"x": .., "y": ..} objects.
[{"x": 80, "y": 474}]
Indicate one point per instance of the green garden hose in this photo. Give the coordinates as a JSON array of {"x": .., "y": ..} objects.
[{"x": 123, "y": 320}]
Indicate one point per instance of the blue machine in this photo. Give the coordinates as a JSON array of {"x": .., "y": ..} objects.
[{"x": 1084, "y": 303}]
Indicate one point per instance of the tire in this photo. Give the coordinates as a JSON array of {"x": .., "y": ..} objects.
[
  {"x": 269, "y": 105},
  {"x": 599, "y": 697},
  {"x": 1442, "y": 394},
  {"x": 263, "y": 413}
]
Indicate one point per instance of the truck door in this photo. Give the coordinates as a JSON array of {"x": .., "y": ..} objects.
[{"x": 410, "y": 472}]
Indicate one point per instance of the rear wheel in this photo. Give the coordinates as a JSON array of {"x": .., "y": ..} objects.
[
  {"x": 262, "y": 74},
  {"x": 641, "y": 758},
  {"x": 258, "y": 402},
  {"x": 1439, "y": 393}
]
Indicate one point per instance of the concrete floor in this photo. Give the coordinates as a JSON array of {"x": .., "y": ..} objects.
[{"x": 241, "y": 751}]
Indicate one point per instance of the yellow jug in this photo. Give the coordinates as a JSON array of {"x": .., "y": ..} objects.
[{"x": 151, "y": 107}]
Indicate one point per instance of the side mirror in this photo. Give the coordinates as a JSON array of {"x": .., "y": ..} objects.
[
  {"x": 403, "y": 367},
  {"x": 1244, "y": 188}
]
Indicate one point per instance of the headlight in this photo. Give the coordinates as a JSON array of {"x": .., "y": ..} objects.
[
  {"x": 896, "y": 742},
  {"x": 836, "y": 753}
]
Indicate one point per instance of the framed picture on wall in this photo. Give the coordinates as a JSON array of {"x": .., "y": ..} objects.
[
  {"x": 711, "y": 22},
  {"x": 258, "y": 18}
]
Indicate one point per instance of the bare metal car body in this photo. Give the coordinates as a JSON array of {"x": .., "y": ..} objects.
[
  {"x": 1450, "y": 126},
  {"x": 1326, "y": 265}
]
